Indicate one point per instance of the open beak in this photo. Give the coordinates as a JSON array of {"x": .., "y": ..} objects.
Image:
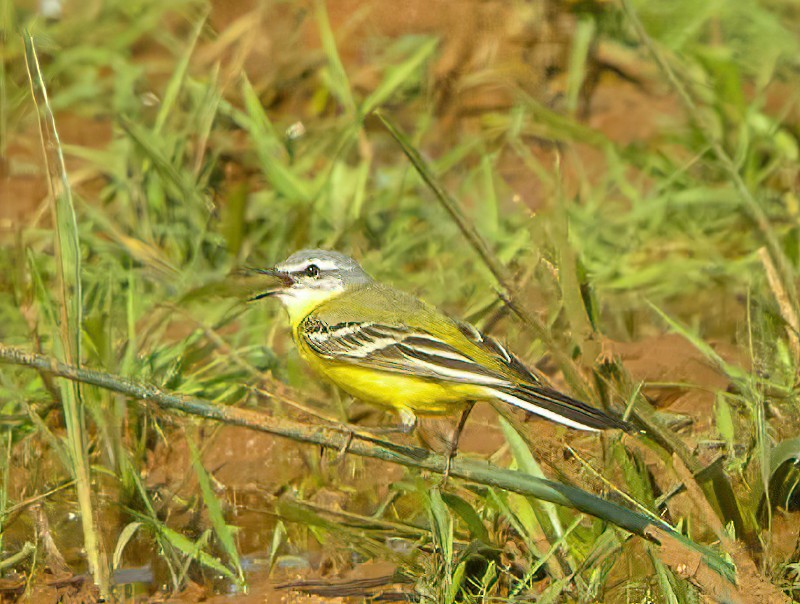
[{"x": 284, "y": 281}]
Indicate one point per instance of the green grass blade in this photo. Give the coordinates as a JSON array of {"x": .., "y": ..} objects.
[
  {"x": 191, "y": 549},
  {"x": 576, "y": 73},
  {"x": 397, "y": 75},
  {"x": 69, "y": 270},
  {"x": 337, "y": 80},
  {"x": 726, "y": 501},
  {"x": 468, "y": 514},
  {"x": 488, "y": 213},
  {"x": 441, "y": 525},
  {"x": 664, "y": 578},
  {"x": 221, "y": 528},
  {"x": 124, "y": 538},
  {"x": 5, "y": 445},
  {"x": 279, "y": 536},
  {"x": 554, "y": 547},
  {"x": 568, "y": 280},
  {"x": 5, "y": 28},
  {"x": 526, "y": 463},
  {"x": 455, "y": 583},
  {"x": 176, "y": 81},
  {"x": 265, "y": 139},
  {"x": 150, "y": 144}
]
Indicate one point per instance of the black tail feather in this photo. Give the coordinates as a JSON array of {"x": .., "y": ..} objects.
[{"x": 561, "y": 405}]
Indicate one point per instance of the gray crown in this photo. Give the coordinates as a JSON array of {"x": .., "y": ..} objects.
[{"x": 329, "y": 263}]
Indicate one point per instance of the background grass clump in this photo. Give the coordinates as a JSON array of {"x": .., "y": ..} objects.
[{"x": 612, "y": 190}]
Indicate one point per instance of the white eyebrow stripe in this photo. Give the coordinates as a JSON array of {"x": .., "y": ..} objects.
[{"x": 321, "y": 263}]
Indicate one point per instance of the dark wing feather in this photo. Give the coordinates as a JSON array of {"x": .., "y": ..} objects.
[
  {"x": 500, "y": 353},
  {"x": 395, "y": 348}
]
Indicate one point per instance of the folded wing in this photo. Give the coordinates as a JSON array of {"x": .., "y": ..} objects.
[
  {"x": 408, "y": 350},
  {"x": 398, "y": 349}
]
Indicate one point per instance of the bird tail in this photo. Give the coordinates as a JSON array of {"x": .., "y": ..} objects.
[{"x": 557, "y": 407}]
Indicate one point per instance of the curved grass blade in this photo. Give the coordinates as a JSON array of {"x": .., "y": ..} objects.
[
  {"x": 221, "y": 528},
  {"x": 468, "y": 515},
  {"x": 396, "y": 75},
  {"x": 69, "y": 272}
]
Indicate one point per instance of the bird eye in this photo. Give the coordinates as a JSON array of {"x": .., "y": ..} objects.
[{"x": 312, "y": 270}]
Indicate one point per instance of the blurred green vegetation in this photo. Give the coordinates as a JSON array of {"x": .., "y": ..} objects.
[{"x": 627, "y": 186}]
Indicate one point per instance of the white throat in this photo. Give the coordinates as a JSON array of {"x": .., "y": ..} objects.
[{"x": 299, "y": 302}]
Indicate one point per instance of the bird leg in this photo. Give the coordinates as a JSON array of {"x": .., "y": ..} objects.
[
  {"x": 408, "y": 423},
  {"x": 456, "y": 436},
  {"x": 343, "y": 451}
]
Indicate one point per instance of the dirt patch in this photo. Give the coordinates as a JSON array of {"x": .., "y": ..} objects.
[
  {"x": 23, "y": 184},
  {"x": 676, "y": 375},
  {"x": 24, "y": 187}
]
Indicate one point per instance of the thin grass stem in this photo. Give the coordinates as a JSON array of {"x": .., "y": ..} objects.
[{"x": 69, "y": 275}]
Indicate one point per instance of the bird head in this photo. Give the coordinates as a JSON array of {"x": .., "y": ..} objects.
[{"x": 310, "y": 277}]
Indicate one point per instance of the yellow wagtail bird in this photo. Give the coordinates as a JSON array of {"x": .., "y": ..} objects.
[{"x": 387, "y": 347}]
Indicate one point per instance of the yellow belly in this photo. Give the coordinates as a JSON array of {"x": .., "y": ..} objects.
[{"x": 397, "y": 391}]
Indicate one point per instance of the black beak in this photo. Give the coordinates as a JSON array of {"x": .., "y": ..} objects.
[{"x": 285, "y": 280}]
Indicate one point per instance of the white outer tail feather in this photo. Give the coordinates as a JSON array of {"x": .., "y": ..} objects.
[{"x": 531, "y": 408}]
